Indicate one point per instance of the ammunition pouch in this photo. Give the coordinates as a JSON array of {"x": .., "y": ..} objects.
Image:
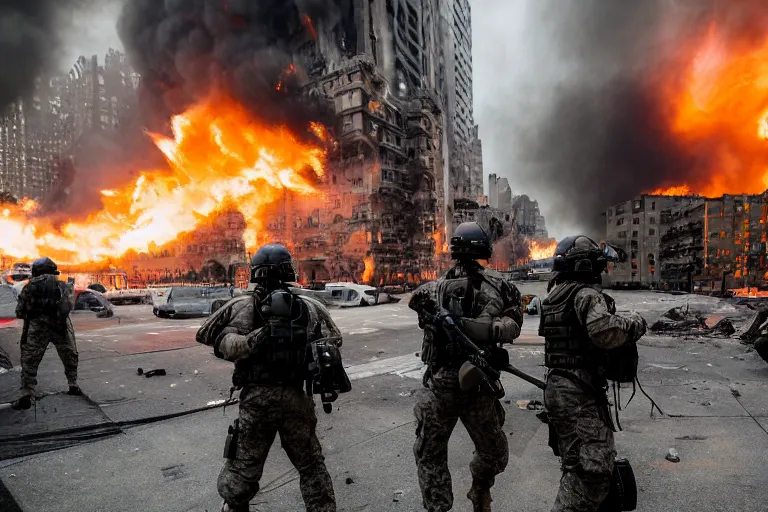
[
  {"x": 327, "y": 376},
  {"x": 230, "y": 445}
]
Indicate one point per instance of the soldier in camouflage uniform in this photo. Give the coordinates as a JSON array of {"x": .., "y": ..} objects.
[
  {"x": 272, "y": 400},
  {"x": 491, "y": 315},
  {"x": 578, "y": 321},
  {"x": 44, "y": 304}
]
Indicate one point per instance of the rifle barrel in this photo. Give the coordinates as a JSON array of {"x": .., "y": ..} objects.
[{"x": 528, "y": 378}]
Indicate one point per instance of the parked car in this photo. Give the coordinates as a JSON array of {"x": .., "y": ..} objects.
[
  {"x": 91, "y": 301},
  {"x": 351, "y": 294},
  {"x": 189, "y": 301}
]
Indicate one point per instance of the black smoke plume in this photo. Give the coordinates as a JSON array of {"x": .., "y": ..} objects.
[
  {"x": 30, "y": 36},
  {"x": 601, "y": 131},
  {"x": 185, "y": 50}
]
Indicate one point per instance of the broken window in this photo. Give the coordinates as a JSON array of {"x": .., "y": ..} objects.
[
  {"x": 634, "y": 234},
  {"x": 620, "y": 221},
  {"x": 636, "y": 221},
  {"x": 653, "y": 205},
  {"x": 651, "y": 232}
]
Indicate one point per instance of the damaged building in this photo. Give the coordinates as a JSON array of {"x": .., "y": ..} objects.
[
  {"x": 689, "y": 242},
  {"x": 39, "y": 134},
  {"x": 709, "y": 243},
  {"x": 386, "y": 198}
]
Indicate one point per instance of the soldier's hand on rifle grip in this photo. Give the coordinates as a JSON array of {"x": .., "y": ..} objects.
[{"x": 505, "y": 330}]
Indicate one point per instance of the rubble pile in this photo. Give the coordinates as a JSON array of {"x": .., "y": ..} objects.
[
  {"x": 682, "y": 322},
  {"x": 757, "y": 333}
]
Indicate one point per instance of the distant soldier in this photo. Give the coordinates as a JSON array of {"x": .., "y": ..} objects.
[
  {"x": 274, "y": 336},
  {"x": 491, "y": 315},
  {"x": 586, "y": 344},
  {"x": 44, "y": 304}
]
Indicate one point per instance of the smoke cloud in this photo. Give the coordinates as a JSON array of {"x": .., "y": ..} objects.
[
  {"x": 185, "y": 50},
  {"x": 594, "y": 129},
  {"x": 30, "y": 36}
]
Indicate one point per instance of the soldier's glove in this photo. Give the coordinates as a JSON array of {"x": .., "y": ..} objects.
[
  {"x": 498, "y": 357},
  {"x": 639, "y": 326},
  {"x": 504, "y": 330},
  {"x": 256, "y": 337}
]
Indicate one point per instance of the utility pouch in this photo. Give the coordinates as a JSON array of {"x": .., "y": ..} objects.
[
  {"x": 553, "y": 440},
  {"x": 230, "y": 446},
  {"x": 623, "y": 494}
]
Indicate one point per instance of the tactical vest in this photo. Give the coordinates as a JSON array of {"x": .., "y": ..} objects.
[
  {"x": 566, "y": 341},
  {"x": 45, "y": 298},
  {"x": 567, "y": 344},
  {"x": 283, "y": 359}
]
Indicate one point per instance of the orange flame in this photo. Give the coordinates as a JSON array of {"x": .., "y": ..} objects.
[
  {"x": 218, "y": 155},
  {"x": 307, "y": 21},
  {"x": 723, "y": 107},
  {"x": 541, "y": 250},
  {"x": 369, "y": 268}
]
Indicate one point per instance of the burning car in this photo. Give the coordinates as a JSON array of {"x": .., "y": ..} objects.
[{"x": 189, "y": 301}]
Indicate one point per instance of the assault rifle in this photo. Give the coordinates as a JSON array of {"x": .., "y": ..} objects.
[{"x": 481, "y": 359}]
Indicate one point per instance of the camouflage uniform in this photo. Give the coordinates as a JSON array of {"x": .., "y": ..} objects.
[
  {"x": 234, "y": 331},
  {"x": 41, "y": 330},
  {"x": 577, "y": 407},
  {"x": 443, "y": 403}
]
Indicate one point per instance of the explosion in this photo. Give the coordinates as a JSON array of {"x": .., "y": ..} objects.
[
  {"x": 219, "y": 155},
  {"x": 541, "y": 250},
  {"x": 724, "y": 103}
]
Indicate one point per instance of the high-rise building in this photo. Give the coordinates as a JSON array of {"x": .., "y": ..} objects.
[
  {"x": 36, "y": 132},
  {"x": 476, "y": 175}
]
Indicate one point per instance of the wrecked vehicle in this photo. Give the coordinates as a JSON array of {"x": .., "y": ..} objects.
[
  {"x": 93, "y": 302},
  {"x": 757, "y": 333},
  {"x": 349, "y": 295},
  {"x": 190, "y": 301}
]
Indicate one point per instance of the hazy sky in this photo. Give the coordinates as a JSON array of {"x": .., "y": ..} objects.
[{"x": 512, "y": 62}]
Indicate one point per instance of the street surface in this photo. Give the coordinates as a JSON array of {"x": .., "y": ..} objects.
[{"x": 155, "y": 444}]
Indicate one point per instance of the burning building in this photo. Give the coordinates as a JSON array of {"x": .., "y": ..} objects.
[
  {"x": 708, "y": 243},
  {"x": 326, "y": 129}
]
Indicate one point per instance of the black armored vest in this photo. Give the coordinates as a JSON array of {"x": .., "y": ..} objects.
[
  {"x": 45, "y": 297},
  {"x": 566, "y": 341},
  {"x": 283, "y": 358}
]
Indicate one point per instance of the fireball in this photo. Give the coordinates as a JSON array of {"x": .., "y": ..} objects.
[{"x": 219, "y": 155}]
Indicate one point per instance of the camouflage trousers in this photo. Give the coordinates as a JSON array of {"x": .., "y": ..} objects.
[
  {"x": 265, "y": 412},
  {"x": 585, "y": 441},
  {"x": 34, "y": 342},
  {"x": 437, "y": 410}
]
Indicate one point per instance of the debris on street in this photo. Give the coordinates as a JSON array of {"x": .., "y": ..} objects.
[
  {"x": 150, "y": 373},
  {"x": 681, "y": 321},
  {"x": 672, "y": 455}
]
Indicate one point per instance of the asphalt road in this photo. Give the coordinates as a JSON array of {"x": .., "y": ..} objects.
[{"x": 712, "y": 391}]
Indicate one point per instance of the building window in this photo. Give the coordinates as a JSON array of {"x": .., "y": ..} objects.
[
  {"x": 610, "y": 212},
  {"x": 636, "y": 221},
  {"x": 652, "y": 220},
  {"x": 620, "y": 221},
  {"x": 636, "y": 205},
  {"x": 622, "y": 234},
  {"x": 651, "y": 232},
  {"x": 634, "y": 234},
  {"x": 653, "y": 205}
]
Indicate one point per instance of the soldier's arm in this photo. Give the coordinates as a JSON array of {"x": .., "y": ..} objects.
[
  {"x": 21, "y": 304},
  {"x": 606, "y": 330},
  {"x": 500, "y": 319},
  {"x": 232, "y": 346}
]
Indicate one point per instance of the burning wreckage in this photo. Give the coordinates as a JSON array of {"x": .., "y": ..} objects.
[{"x": 294, "y": 138}]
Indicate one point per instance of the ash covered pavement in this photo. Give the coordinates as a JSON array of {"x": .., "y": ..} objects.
[{"x": 136, "y": 443}]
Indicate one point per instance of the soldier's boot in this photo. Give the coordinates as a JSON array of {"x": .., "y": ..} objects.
[
  {"x": 22, "y": 404},
  {"x": 480, "y": 496},
  {"x": 226, "y": 507},
  {"x": 75, "y": 390}
]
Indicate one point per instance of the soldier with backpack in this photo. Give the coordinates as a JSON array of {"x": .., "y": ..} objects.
[
  {"x": 44, "y": 304},
  {"x": 586, "y": 345}
]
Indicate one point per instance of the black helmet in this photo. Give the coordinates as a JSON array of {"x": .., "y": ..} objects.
[
  {"x": 272, "y": 263},
  {"x": 470, "y": 242},
  {"x": 44, "y": 266},
  {"x": 580, "y": 255}
]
